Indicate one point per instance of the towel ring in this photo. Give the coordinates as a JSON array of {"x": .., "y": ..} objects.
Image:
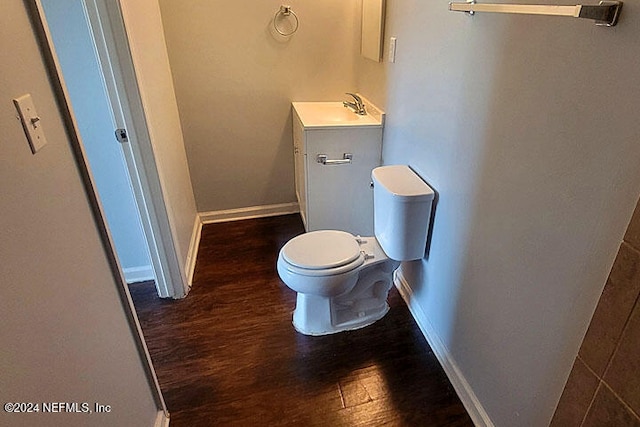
[{"x": 285, "y": 11}]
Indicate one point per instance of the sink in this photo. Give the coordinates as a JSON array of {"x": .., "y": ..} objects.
[{"x": 334, "y": 114}]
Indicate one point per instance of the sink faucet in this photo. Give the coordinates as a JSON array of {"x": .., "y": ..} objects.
[{"x": 357, "y": 106}]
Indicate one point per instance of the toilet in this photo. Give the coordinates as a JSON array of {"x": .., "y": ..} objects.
[{"x": 342, "y": 281}]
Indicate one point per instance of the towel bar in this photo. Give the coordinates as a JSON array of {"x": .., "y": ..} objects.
[{"x": 606, "y": 13}]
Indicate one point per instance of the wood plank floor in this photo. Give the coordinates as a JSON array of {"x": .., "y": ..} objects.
[{"x": 228, "y": 355}]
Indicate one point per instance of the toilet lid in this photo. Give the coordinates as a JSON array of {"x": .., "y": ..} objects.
[{"x": 321, "y": 249}]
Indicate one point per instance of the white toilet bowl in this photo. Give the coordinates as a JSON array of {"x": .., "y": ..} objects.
[{"x": 342, "y": 280}]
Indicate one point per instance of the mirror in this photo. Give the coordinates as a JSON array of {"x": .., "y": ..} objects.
[{"x": 372, "y": 29}]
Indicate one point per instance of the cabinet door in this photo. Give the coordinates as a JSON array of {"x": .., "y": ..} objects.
[{"x": 340, "y": 196}]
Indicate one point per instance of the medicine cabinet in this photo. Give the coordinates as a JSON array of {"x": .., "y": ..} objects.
[{"x": 372, "y": 29}]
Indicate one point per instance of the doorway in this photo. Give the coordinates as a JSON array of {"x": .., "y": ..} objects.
[
  {"x": 92, "y": 32},
  {"x": 93, "y": 105}
]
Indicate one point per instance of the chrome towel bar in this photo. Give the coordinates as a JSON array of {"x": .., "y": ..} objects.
[{"x": 605, "y": 14}]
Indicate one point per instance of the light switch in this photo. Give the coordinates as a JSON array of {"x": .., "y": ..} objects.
[{"x": 30, "y": 122}]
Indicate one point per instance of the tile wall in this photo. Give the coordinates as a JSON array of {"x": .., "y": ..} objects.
[{"x": 604, "y": 385}]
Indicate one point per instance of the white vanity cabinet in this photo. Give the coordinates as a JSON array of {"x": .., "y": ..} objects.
[{"x": 334, "y": 156}]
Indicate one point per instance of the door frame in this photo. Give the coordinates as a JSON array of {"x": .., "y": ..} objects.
[
  {"x": 112, "y": 50},
  {"x": 141, "y": 154}
]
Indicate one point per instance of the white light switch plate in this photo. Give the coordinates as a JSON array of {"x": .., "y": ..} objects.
[{"x": 30, "y": 122}]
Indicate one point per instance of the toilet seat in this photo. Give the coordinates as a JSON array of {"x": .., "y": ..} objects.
[{"x": 322, "y": 253}]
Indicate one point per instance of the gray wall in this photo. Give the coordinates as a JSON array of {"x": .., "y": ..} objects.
[
  {"x": 235, "y": 81},
  {"x": 64, "y": 330},
  {"x": 527, "y": 128},
  {"x": 83, "y": 77}
]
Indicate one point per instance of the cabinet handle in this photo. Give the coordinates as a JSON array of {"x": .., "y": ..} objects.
[{"x": 346, "y": 158}]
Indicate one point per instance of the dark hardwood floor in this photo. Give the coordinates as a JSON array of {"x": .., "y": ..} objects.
[{"x": 228, "y": 354}]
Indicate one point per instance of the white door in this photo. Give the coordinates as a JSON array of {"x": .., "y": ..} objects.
[{"x": 76, "y": 51}]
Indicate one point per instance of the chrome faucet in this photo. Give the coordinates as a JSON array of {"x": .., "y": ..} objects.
[{"x": 357, "y": 106}]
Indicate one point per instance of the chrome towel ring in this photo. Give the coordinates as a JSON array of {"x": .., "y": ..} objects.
[{"x": 285, "y": 11}]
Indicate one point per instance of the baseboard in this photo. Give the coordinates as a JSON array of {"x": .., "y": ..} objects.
[
  {"x": 193, "y": 250},
  {"x": 162, "y": 420},
  {"x": 248, "y": 213},
  {"x": 470, "y": 401},
  {"x": 139, "y": 274}
]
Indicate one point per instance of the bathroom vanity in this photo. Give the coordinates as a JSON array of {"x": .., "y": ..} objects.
[{"x": 335, "y": 151}]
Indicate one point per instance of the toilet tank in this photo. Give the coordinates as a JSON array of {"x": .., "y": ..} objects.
[{"x": 402, "y": 210}]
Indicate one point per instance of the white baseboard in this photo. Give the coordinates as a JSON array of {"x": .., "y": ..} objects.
[
  {"x": 162, "y": 420},
  {"x": 193, "y": 250},
  {"x": 248, "y": 213},
  {"x": 470, "y": 401},
  {"x": 139, "y": 274}
]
